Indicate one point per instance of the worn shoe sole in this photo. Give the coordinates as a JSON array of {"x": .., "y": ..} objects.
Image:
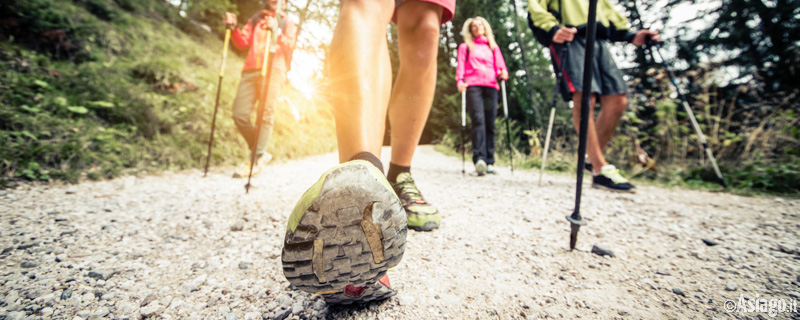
[
  {"x": 600, "y": 186},
  {"x": 480, "y": 167},
  {"x": 351, "y": 232}
]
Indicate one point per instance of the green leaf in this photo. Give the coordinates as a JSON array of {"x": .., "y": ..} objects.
[
  {"x": 28, "y": 134},
  {"x": 60, "y": 101},
  {"x": 101, "y": 104},
  {"x": 41, "y": 83},
  {"x": 29, "y": 109},
  {"x": 78, "y": 109}
]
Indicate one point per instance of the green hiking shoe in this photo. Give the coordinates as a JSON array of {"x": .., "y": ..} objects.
[
  {"x": 610, "y": 179},
  {"x": 422, "y": 216},
  {"x": 344, "y": 233}
]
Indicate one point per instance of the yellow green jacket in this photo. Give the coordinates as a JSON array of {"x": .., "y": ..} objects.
[{"x": 611, "y": 24}]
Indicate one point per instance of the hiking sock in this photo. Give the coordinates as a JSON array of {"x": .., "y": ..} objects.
[
  {"x": 394, "y": 170},
  {"x": 369, "y": 157}
]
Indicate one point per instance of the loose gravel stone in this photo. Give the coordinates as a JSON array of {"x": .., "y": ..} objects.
[
  {"x": 29, "y": 264},
  {"x": 710, "y": 243},
  {"x": 730, "y": 286},
  {"x": 169, "y": 238},
  {"x": 678, "y": 291},
  {"x": 101, "y": 274},
  {"x": 281, "y": 314},
  {"x": 602, "y": 251},
  {"x": 66, "y": 294}
]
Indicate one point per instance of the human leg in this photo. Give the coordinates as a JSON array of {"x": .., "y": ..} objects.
[
  {"x": 358, "y": 49},
  {"x": 349, "y": 228},
  {"x": 608, "y": 119},
  {"x": 478, "y": 121},
  {"x": 418, "y": 25},
  {"x": 243, "y": 106},
  {"x": 490, "y": 114},
  {"x": 592, "y": 145},
  {"x": 276, "y": 80}
]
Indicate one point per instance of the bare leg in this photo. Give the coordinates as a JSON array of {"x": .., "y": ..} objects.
[
  {"x": 592, "y": 145},
  {"x": 607, "y": 120},
  {"x": 418, "y": 36},
  {"x": 358, "y": 91}
]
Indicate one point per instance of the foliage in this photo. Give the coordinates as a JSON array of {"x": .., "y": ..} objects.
[{"x": 143, "y": 103}]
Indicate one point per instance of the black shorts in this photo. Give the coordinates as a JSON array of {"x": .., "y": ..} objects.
[{"x": 607, "y": 79}]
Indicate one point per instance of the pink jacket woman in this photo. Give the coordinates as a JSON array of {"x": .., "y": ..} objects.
[{"x": 480, "y": 64}]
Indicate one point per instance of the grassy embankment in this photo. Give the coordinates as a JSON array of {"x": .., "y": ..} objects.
[{"x": 129, "y": 88}]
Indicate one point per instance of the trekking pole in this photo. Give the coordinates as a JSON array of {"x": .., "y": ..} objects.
[
  {"x": 219, "y": 89},
  {"x": 266, "y": 71},
  {"x": 463, "y": 130},
  {"x": 692, "y": 119},
  {"x": 508, "y": 130},
  {"x": 575, "y": 219},
  {"x": 559, "y": 75}
]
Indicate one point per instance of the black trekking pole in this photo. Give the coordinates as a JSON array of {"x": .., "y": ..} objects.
[
  {"x": 508, "y": 129},
  {"x": 575, "y": 219},
  {"x": 463, "y": 130},
  {"x": 219, "y": 90},
  {"x": 266, "y": 72},
  {"x": 559, "y": 77},
  {"x": 692, "y": 119}
]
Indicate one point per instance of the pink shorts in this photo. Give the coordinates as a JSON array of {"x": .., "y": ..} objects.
[{"x": 447, "y": 14}]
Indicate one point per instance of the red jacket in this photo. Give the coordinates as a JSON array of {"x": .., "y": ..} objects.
[{"x": 253, "y": 38}]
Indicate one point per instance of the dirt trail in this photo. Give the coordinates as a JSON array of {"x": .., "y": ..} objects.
[{"x": 179, "y": 246}]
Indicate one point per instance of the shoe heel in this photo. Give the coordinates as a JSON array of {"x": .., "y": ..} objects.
[{"x": 348, "y": 237}]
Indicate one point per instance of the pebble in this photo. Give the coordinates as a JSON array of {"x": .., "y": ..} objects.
[
  {"x": 297, "y": 308},
  {"x": 101, "y": 274},
  {"x": 101, "y": 312},
  {"x": 281, "y": 314},
  {"x": 252, "y": 316},
  {"x": 29, "y": 264},
  {"x": 602, "y": 251},
  {"x": 710, "y": 243},
  {"x": 237, "y": 226},
  {"x": 66, "y": 294},
  {"x": 150, "y": 310},
  {"x": 730, "y": 286},
  {"x": 678, "y": 291}
]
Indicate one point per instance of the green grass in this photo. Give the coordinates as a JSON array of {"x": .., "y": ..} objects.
[{"x": 106, "y": 109}]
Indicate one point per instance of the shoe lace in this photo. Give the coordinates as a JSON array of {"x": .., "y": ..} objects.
[
  {"x": 409, "y": 188},
  {"x": 615, "y": 176}
]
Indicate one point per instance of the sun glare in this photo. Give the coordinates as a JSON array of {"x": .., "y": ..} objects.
[{"x": 304, "y": 65}]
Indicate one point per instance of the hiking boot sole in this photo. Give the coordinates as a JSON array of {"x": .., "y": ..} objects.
[
  {"x": 600, "y": 186},
  {"x": 428, "y": 226},
  {"x": 348, "y": 237}
]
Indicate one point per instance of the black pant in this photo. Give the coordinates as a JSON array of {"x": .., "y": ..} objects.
[{"x": 482, "y": 108}]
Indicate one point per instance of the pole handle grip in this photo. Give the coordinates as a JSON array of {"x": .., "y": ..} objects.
[
  {"x": 225, "y": 52},
  {"x": 505, "y": 103},
  {"x": 464, "y": 108}
]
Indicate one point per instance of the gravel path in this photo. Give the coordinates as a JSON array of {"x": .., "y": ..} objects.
[{"x": 179, "y": 246}]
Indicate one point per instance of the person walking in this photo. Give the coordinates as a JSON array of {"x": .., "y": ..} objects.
[
  {"x": 480, "y": 64},
  {"x": 558, "y": 22},
  {"x": 350, "y": 227},
  {"x": 251, "y": 37}
]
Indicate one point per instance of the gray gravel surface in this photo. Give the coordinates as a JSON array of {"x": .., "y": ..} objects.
[{"x": 180, "y": 246}]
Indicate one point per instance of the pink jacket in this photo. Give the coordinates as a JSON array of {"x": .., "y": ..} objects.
[{"x": 483, "y": 67}]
